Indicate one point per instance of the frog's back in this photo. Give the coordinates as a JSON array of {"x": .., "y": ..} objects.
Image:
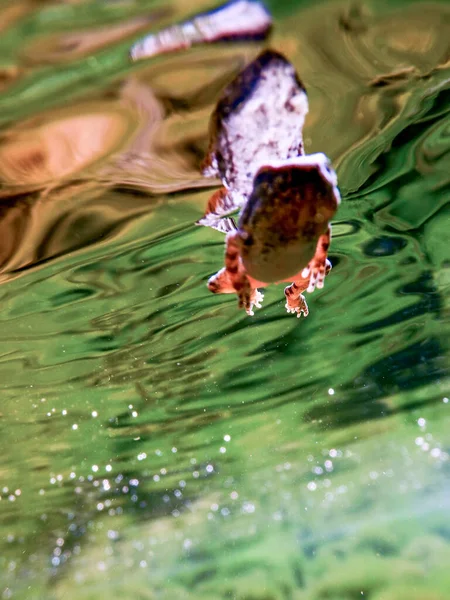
[{"x": 259, "y": 117}]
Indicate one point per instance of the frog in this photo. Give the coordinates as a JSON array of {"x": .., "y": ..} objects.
[{"x": 286, "y": 198}]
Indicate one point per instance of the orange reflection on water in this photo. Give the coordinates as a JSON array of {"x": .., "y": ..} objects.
[
  {"x": 57, "y": 148},
  {"x": 58, "y": 172}
]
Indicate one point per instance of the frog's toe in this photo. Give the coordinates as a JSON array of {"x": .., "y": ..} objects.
[
  {"x": 297, "y": 306},
  {"x": 245, "y": 303},
  {"x": 312, "y": 284},
  {"x": 257, "y": 298},
  {"x": 248, "y": 307},
  {"x": 316, "y": 273},
  {"x": 251, "y": 300},
  {"x": 316, "y": 279}
]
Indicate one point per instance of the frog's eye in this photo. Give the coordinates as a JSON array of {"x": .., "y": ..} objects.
[
  {"x": 329, "y": 169},
  {"x": 328, "y": 172},
  {"x": 326, "y": 163}
]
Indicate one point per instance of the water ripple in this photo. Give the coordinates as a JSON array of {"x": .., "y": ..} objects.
[{"x": 153, "y": 433}]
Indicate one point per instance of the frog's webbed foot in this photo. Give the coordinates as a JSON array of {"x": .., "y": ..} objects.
[
  {"x": 224, "y": 282},
  {"x": 319, "y": 266},
  {"x": 295, "y": 301},
  {"x": 315, "y": 273},
  {"x": 257, "y": 298},
  {"x": 249, "y": 298}
]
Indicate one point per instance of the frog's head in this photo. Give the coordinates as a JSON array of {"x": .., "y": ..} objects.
[
  {"x": 302, "y": 170},
  {"x": 320, "y": 163}
]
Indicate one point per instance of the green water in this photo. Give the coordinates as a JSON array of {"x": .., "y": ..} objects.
[{"x": 156, "y": 442}]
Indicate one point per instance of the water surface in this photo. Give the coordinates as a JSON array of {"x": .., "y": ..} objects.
[{"x": 158, "y": 443}]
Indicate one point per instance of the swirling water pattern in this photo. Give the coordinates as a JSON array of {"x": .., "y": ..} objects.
[{"x": 155, "y": 441}]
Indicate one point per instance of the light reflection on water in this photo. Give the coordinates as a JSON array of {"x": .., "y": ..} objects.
[{"x": 155, "y": 441}]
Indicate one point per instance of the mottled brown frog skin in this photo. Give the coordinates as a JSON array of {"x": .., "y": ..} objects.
[
  {"x": 258, "y": 118},
  {"x": 283, "y": 233}
]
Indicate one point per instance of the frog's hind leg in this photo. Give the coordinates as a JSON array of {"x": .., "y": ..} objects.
[
  {"x": 319, "y": 266},
  {"x": 233, "y": 277},
  {"x": 219, "y": 205},
  {"x": 221, "y": 283}
]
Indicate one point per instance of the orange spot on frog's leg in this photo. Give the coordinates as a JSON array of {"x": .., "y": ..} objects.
[
  {"x": 233, "y": 277},
  {"x": 318, "y": 266}
]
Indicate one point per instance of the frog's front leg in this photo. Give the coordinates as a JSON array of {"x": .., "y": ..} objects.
[
  {"x": 219, "y": 205},
  {"x": 233, "y": 277},
  {"x": 295, "y": 301},
  {"x": 318, "y": 266}
]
